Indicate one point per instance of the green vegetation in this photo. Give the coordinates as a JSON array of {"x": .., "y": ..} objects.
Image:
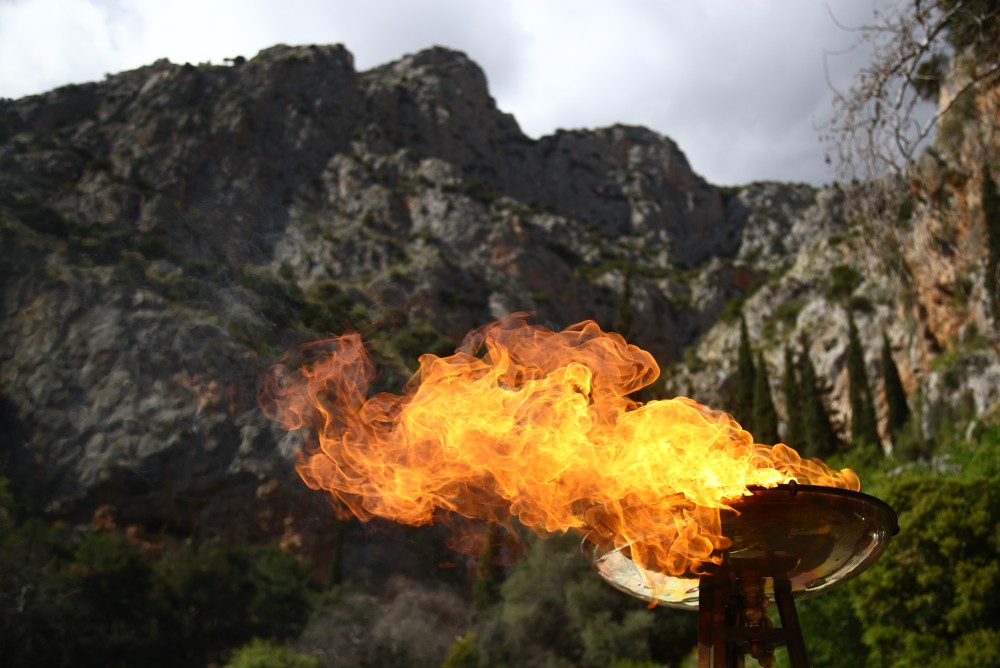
[
  {"x": 474, "y": 189},
  {"x": 895, "y": 395},
  {"x": 264, "y": 654},
  {"x": 743, "y": 396},
  {"x": 623, "y": 324},
  {"x": 610, "y": 264},
  {"x": 464, "y": 653},
  {"x": 734, "y": 307},
  {"x": 787, "y": 312},
  {"x": 860, "y": 304},
  {"x": 557, "y": 611},
  {"x": 489, "y": 572},
  {"x": 818, "y": 437},
  {"x": 793, "y": 404},
  {"x": 991, "y": 219},
  {"x": 864, "y": 429},
  {"x": 844, "y": 280},
  {"x": 327, "y": 308},
  {"x": 416, "y": 338},
  {"x": 956, "y": 123},
  {"x": 72, "y": 599},
  {"x": 765, "y": 419},
  {"x": 930, "y": 599}
]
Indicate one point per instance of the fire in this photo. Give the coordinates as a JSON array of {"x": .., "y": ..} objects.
[{"x": 535, "y": 424}]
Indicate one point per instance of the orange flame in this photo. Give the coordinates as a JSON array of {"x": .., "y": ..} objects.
[{"x": 527, "y": 422}]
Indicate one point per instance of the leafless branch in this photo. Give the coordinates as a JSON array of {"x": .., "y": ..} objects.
[{"x": 881, "y": 121}]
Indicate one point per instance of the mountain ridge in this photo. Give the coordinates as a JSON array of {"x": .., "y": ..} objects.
[{"x": 172, "y": 230}]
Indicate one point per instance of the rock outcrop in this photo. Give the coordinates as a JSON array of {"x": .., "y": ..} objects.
[{"x": 170, "y": 231}]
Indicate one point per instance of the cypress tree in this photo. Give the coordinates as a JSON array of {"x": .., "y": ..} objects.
[
  {"x": 793, "y": 400},
  {"x": 863, "y": 422},
  {"x": 819, "y": 437},
  {"x": 489, "y": 574},
  {"x": 991, "y": 219},
  {"x": 624, "y": 315},
  {"x": 895, "y": 396},
  {"x": 743, "y": 404},
  {"x": 765, "y": 418}
]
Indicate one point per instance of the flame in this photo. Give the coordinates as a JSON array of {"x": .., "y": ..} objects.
[{"x": 535, "y": 424}]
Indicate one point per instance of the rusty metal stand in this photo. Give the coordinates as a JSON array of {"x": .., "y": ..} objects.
[{"x": 732, "y": 621}]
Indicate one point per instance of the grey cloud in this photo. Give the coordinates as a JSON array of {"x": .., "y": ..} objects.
[{"x": 737, "y": 85}]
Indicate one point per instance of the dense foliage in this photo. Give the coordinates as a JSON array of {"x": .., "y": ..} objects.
[
  {"x": 930, "y": 599},
  {"x": 72, "y": 597},
  {"x": 863, "y": 422},
  {"x": 742, "y": 404},
  {"x": 85, "y": 598},
  {"x": 897, "y": 407},
  {"x": 765, "y": 417},
  {"x": 818, "y": 437}
]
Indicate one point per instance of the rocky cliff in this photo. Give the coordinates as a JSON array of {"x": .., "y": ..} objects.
[{"x": 172, "y": 230}]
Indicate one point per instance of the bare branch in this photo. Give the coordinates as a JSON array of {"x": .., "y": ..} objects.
[{"x": 882, "y": 120}]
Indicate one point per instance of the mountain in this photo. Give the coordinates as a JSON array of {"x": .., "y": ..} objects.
[{"x": 171, "y": 231}]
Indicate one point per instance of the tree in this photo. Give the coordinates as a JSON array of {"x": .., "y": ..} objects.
[
  {"x": 489, "y": 571},
  {"x": 793, "y": 398},
  {"x": 931, "y": 597},
  {"x": 881, "y": 121},
  {"x": 266, "y": 654},
  {"x": 556, "y": 612},
  {"x": 991, "y": 219},
  {"x": 818, "y": 435},
  {"x": 863, "y": 423},
  {"x": 895, "y": 395},
  {"x": 745, "y": 377},
  {"x": 933, "y": 66},
  {"x": 624, "y": 315},
  {"x": 765, "y": 418},
  {"x": 463, "y": 653}
]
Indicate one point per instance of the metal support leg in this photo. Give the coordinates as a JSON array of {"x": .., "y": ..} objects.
[
  {"x": 790, "y": 624},
  {"x": 712, "y": 622},
  {"x": 726, "y": 631}
]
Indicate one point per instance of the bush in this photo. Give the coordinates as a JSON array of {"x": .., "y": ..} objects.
[
  {"x": 98, "y": 602},
  {"x": 936, "y": 585},
  {"x": 556, "y": 606},
  {"x": 221, "y": 597},
  {"x": 844, "y": 280},
  {"x": 263, "y": 654},
  {"x": 932, "y": 594},
  {"x": 91, "y": 607},
  {"x": 463, "y": 654}
]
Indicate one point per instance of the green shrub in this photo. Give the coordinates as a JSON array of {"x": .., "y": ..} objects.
[
  {"x": 555, "y": 606},
  {"x": 933, "y": 592},
  {"x": 860, "y": 304},
  {"x": 37, "y": 215},
  {"x": 220, "y": 596},
  {"x": 463, "y": 654},
  {"x": 98, "y": 602},
  {"x": 844, "y": 280},
  {"x": 263, "y": 654},
  {"x": 151, "y": 247},
  {"x": 327, "y": 308},
  {"x": 788, "y": 311},
  {"x": 412, "y": 341}
]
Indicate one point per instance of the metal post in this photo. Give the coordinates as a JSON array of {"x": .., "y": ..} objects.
[
  {"x": 712, "y": 622},
  {"x": 790, "y": 623},
  {"x": 724, "y": 635}
]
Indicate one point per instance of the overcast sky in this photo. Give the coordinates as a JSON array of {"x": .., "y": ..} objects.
[{"x": 738, "y": 84}]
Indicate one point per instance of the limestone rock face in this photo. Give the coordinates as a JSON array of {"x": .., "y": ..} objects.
[{"x": 171, "y": 231}]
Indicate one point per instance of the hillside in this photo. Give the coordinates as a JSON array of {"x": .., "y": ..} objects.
[{"x": 170, "y": 232}]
